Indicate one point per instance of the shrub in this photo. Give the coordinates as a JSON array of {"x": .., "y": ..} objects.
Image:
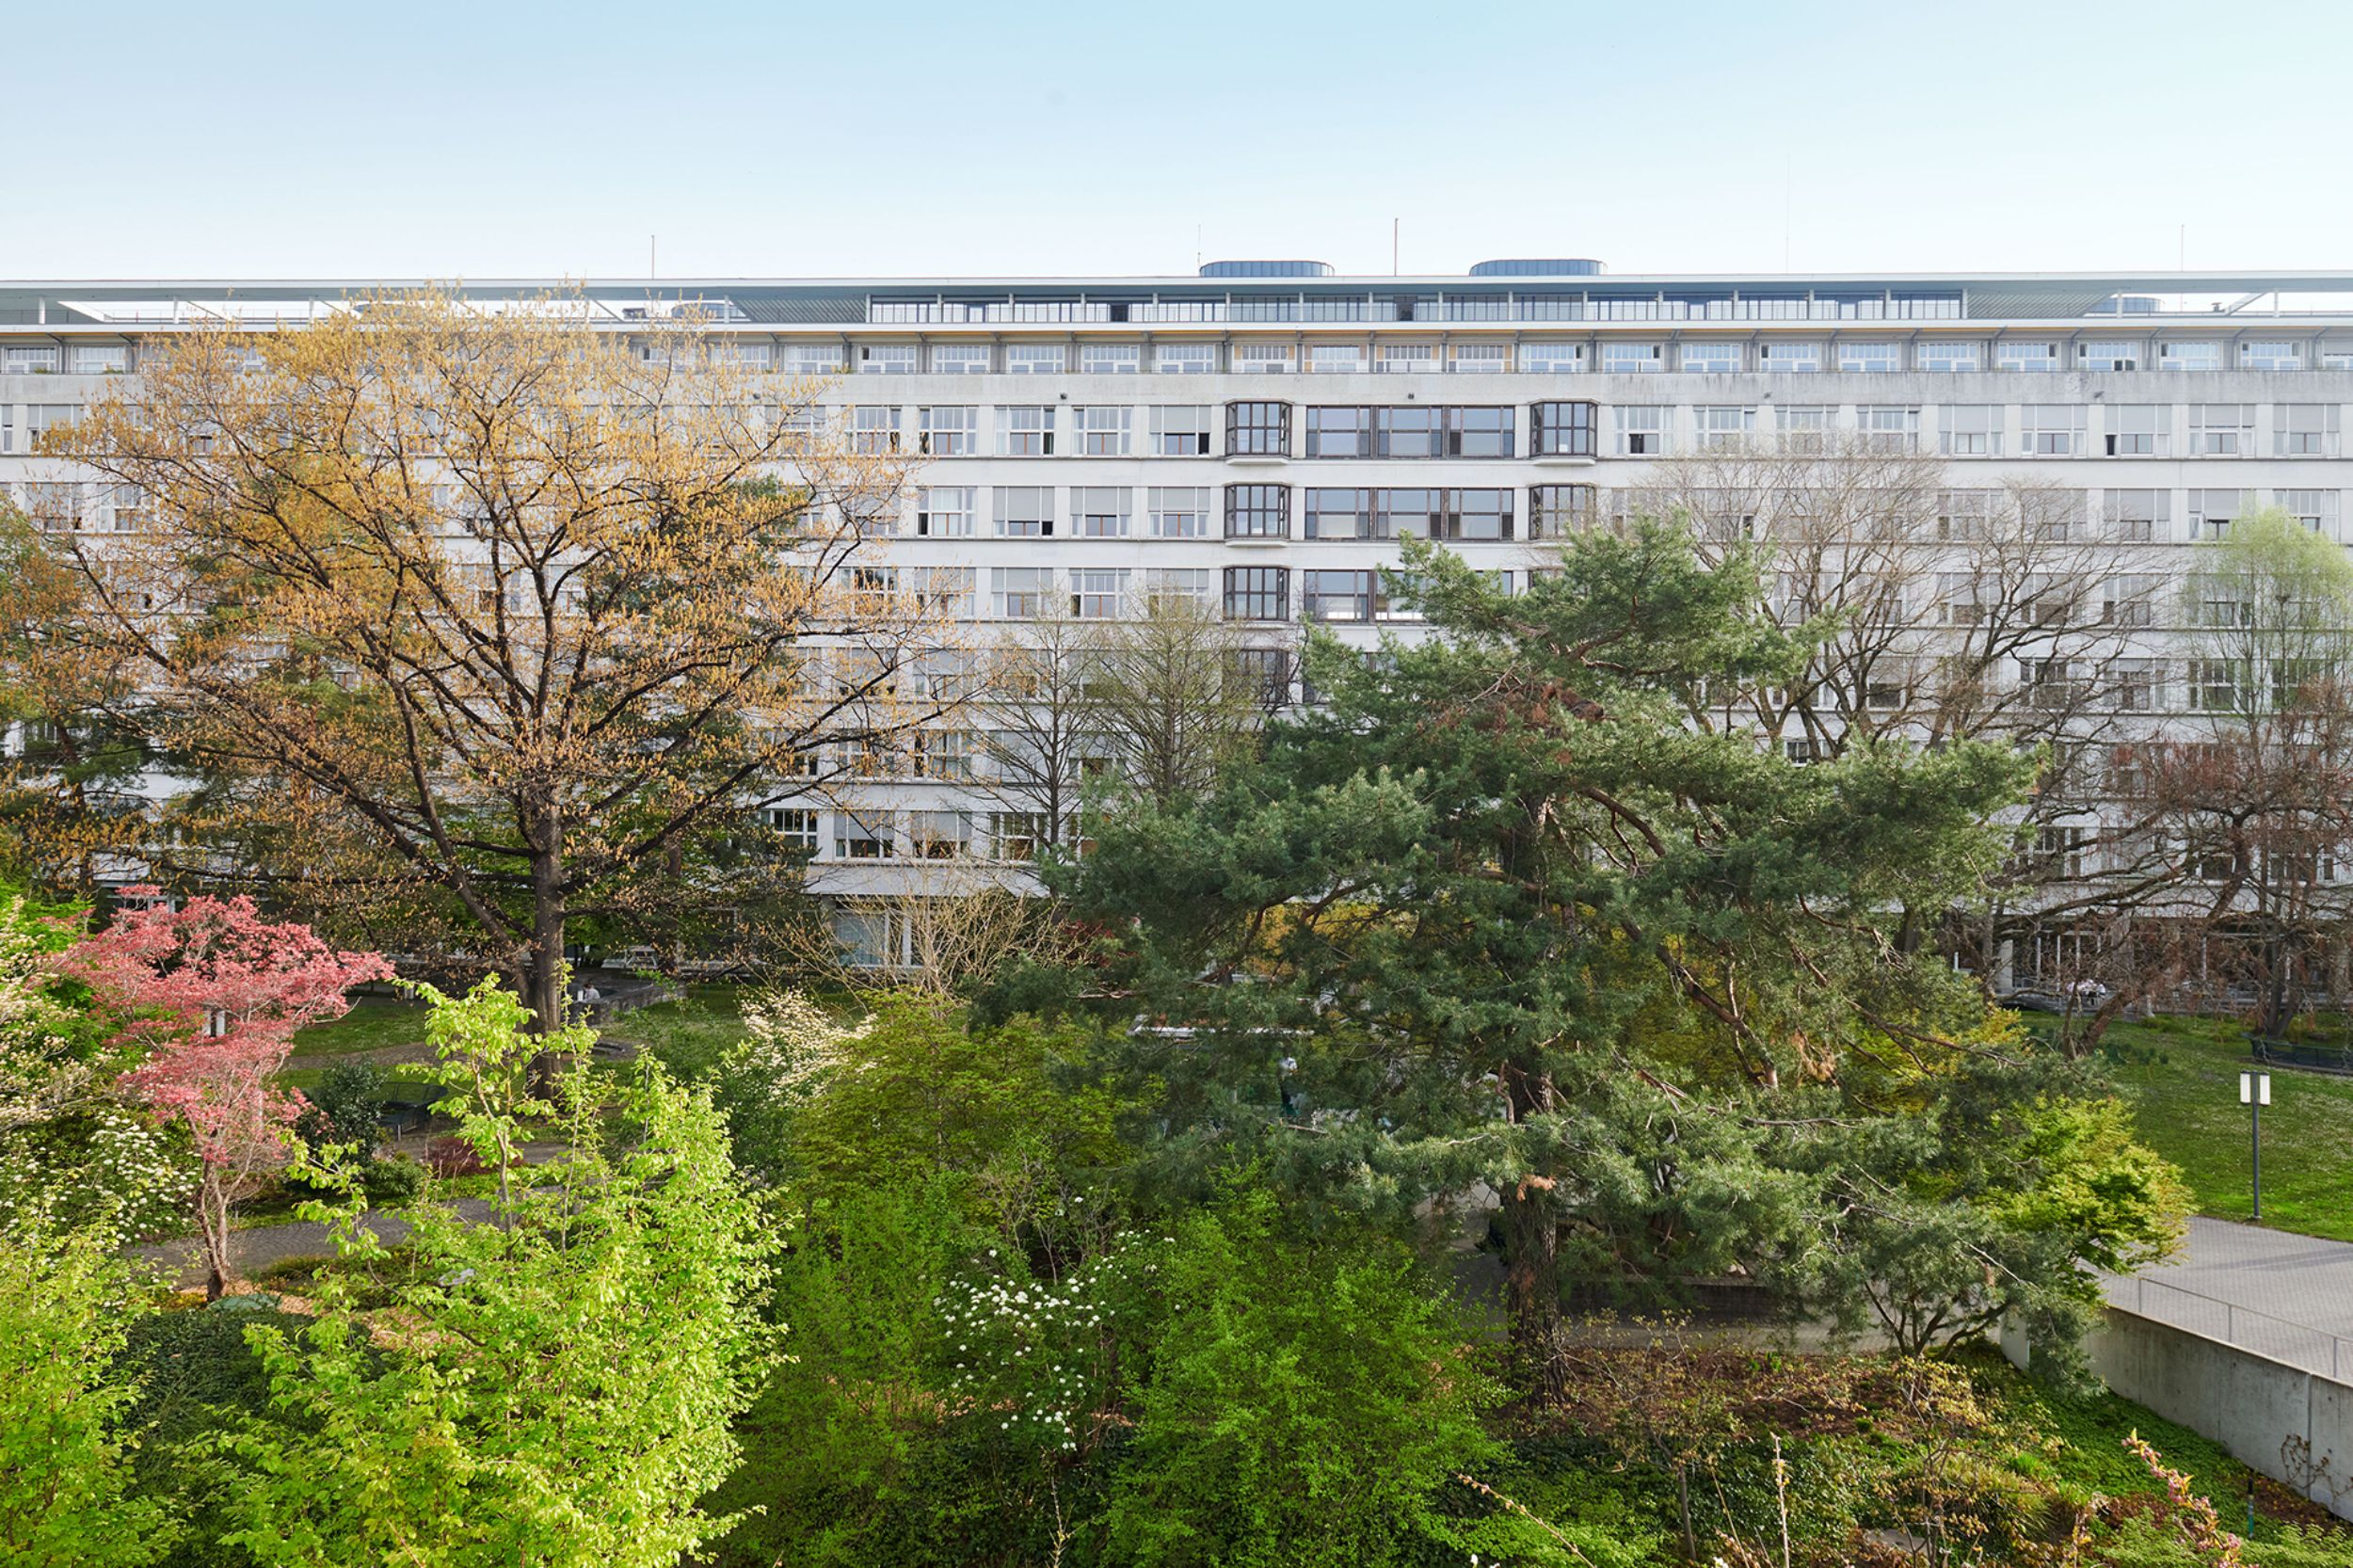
[
  {"x": 344, "y": 1107},
  {"x": 451, "y": 1156},
  {"x": 394, "y": 1180}
]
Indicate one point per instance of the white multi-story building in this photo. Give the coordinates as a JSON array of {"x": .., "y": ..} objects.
[{"x": 1260, "y": 435}]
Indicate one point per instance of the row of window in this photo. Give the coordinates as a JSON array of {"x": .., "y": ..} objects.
[
  {"x": 1527, "y": 357},
  {"x": 1246, "y": 511},
  {"x": 1414, "y": 431},
  {"x": 1107, "y": 593}
]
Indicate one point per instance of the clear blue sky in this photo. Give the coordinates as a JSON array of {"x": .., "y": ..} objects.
[{"x": 988, "y": 139}]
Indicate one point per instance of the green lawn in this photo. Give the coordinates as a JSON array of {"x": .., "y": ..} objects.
[
  {"x": 2182, "y": 1077},
  {"x": 373, "y": 1023},
  {"x": 687, "y": 1035}
]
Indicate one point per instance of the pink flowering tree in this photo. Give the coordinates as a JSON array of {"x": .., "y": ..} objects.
[{"x": 213, "y": 994}]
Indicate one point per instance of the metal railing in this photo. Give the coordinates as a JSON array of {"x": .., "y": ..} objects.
[{"x": 2298, "y": 1345}]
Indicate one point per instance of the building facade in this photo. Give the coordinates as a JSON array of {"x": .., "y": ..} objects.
[{"x": 1258, "y": 437}]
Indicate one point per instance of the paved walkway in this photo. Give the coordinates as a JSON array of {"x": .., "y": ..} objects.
[
  {"x": 2282, "y": 1295},
  {"x": 262, "y": 1245}
]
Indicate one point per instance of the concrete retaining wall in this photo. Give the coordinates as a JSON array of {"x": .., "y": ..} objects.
[{"x": 2289, "y": 1424}]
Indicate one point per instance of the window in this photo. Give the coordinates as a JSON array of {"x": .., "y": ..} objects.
[
  {"x": 1409, "y": 358},
  {"x": 1263, "y": 359},
  {"x": 1790, "y": 359},
  {"x": 2189, "y": 356},
  {"x": 1257, "y": 511},
  {"x": 943, "y": 512},
  {"x": 873, "y": 428},
  {"x": 1477, "y": 358},
  {"x": 1184, "y": 358},
  {"x": 1335, "y": 359},
  {"x": 2137, "y": 517},
  {"x": 28, "y": 362},
  {"x": 2213, "y": 685},
  {"x": 1332, "y": 595},
  {"x": 2271, "y": 356},
  {"x": 2058, "y": 851},
  {"x": 1715, "y": 426},
  {"x": 863, "y": 837},
  {"x": 959, "y": 359},
  {"x": 1337, "y": 514},
  {"x": 1193, "y": 586},
  {"x": 1957, "y": 597},
  {"x": 1017, "y": 835},
  {"x": 1871, "y": 359},
  {"x": 885, "y": 358},
  {"x": 943, "y": 432},
  {"x": 945, "y": 590},
  {"x": 2212, "y": 512},
  {"x": 1710, "y": 359},
  {"x": 1035, "y": 359},
  {"x": 1258, "y": 429},
  {"x": 1949, "y": 355},
  {"x": 2221, "y": 430},
  {"x": 940, "y": 835},
  {"x": 2109, "y": 356},
  {"x": 813, "y": 358},
  {"x": 1408, "y": 514},
  {"x": 1888, "y": 428},
  {"x": 1479, "y": 432},
  {"x": 1803, "y": 427},
  {"x": 1180, "y": 512},
  {"x": 1104, "y": 431},
  {"x": 2032, "y": 359},
  {"x": 796, "y": 828},
  {"x": 1965, "y": 514},
  {"x": 1631, "y": 359},
  {"x": 940, "y": 754},
  {"x": 2139, "y": 430},
  {"x": 1408, "y": 432},
  {"x": 1099, "y": 511},
  {"x": 2315, "y": 509},
  {"x": 103, "y": 360},
  {"x": 1025, "y": 432},
  {"x": 1339, "y": 432},
  {"x": 1477, "y": 516},
  {"x": 1549, "y": 358},
  {"x": 1264, "y": 674},
  {"x": 2336, "y": 354},
  {"x": 1257, "y": 592},
  {"x": 2305, "y": 430},
  {"x": 1098, "y": 593},
  {"x": 1024, "y": 511},
  {"x": 2051, "y": 430},
  {"x": 1020, "y": 593},
  {"x": 1642, "y": 431},
  {"x": 1109, "y": 358},
  {"x": 1970, "y": 430},
  {"x": 1555, "y": 511},
  {"x": 1180, "y": 430},
  {"x": 2137, "y": 684},
  {"x": 1562, "y": 429}
]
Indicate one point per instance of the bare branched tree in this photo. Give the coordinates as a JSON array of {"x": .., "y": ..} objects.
[{"x": 509, "y": 616}]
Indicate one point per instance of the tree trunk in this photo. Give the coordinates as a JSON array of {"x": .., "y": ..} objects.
[
  {"x": 544, "y": 968},
  {"x": 212, "y": 1223},
  {"x": 1532, "y": 1291}
]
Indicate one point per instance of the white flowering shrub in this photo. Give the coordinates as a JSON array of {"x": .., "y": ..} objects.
[
  {"x": 791, "y": 1048},
  {"x": 1039, "y": 1362}
]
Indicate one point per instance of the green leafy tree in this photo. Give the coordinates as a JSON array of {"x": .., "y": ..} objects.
[
  {"x": 1304, "y": 1405},
  {"x": 1499, "y": 915},
  {"x": 915, "y": 1098},
  {"x": 65, "y": 1461},
  {"x": 553, "y": 1388}
]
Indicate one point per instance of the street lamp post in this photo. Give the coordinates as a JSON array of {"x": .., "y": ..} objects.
[{"x": 2254, "y": 1092}]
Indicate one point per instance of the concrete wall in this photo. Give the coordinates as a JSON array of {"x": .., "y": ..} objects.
[{"x": 2291, "y": 1425}]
